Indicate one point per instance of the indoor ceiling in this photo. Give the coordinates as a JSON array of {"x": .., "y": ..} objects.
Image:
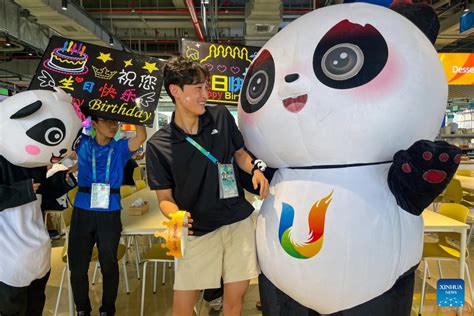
[{"x": 155, "y": 27}]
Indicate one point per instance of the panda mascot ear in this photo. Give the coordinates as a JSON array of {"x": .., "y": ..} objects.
[
  {"x": 27, "y": 110},
  {"x": 61, "y": 95},
  {"x": 422, "y": 15}
]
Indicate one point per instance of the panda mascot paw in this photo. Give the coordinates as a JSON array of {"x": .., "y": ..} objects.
[{"x": 420, "y": 173}]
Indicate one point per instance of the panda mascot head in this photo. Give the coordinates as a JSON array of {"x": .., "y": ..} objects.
[
  {"x": 38, "y": 127},
  {"x": 349, "y": 83}
]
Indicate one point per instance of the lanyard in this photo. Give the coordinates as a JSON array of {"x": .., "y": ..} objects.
[
  {"x": 202, "y": 150},
  {"x": 94, "y": 164}
]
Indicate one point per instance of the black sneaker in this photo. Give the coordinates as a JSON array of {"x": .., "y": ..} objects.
[{"x": 54, "y": 234}]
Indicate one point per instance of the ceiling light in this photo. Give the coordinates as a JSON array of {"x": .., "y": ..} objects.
[
  {"x": 64, "y": 4},
  {"x": 30, "y": 54},
  {"x": 467, "y": 6},
  {"x": 7, "y": 43},
  {"x": 111, "y": 40}
]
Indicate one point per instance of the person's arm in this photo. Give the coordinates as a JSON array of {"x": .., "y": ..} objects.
[
  {"x": 136, "y": 141},
  {"x": 168, "y": 205},
  {"x": 58, "y": 184},
  {"x": 244, "y": 161},
  {"x": 166, "y": 202}
]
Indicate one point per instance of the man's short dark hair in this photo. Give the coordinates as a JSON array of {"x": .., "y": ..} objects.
[{"x": 181, "y": 71}]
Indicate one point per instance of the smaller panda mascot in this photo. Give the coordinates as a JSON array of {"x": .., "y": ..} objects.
[
  {"x": 345, "y": 103},
  {"x": 37, "y": 128}
]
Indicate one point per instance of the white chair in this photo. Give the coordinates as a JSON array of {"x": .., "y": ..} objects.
[
  {"x": 121, "y": 256},
  {"x": 66, "y": 215},
  {"x": 155, "y": 254},
  {"x": 470, "y": 221}
]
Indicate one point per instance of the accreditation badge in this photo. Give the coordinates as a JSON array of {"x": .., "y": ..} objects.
[
  {"x": 227, "y": 182},
  {"x": 100, "y": 195}
]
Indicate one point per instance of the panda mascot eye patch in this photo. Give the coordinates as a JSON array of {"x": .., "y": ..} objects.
[
  {"x": 49, "y": 132},
  {"x": 76, "y": 141},
  {"x": 349, "y": 55},
  {"x": 258, "y": 84}
]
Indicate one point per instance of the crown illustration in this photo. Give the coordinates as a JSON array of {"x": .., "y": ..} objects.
[
  {"x": 103, "y": 73},
  {"x": 175, "y": 234}
]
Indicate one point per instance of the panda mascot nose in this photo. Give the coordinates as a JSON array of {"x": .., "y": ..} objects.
[{"x": 291, "y": 77}]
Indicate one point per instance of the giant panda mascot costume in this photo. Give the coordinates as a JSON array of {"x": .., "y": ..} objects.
[
  {"x": 344, "y": 102},
  {"x": 37, "y": 128}
]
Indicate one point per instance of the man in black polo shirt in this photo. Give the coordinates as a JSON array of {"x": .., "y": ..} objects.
[{"x": 191, "y": 163}]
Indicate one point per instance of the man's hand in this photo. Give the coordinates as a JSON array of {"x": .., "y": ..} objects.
[
  {"x": 190, "y": 220},
  {"x": 35, "y": 185},
  {"x": 168, "y": 206},
  {"x": 259, "y": 180},
  {"x": 69, "y": 179},
  {"x": 73, "y": 168}
]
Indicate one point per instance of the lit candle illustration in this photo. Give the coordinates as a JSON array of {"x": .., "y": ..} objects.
[
  {"x": 74, "y": 48},
  {"x": 64, "y": 47},
  {"x": 69, "y": 47},
  {"x": 83, "y": 49}
]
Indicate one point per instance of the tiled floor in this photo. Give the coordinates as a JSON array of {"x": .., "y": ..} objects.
[{"x": 160, "y": 303}]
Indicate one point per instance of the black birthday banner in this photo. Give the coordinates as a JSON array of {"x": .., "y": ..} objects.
[{"x": 104, "y": 82}]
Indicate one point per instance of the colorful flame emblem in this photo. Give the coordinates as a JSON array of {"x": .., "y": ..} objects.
[{"x": 316, "y": 219}]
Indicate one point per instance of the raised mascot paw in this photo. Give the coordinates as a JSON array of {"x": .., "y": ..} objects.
[{"x": 421, "y": 173}]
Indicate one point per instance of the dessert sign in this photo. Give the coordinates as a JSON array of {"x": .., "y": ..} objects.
[{"x": 103, "y": 82}]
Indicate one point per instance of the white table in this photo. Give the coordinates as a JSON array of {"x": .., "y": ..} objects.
[
  {"x": 436, "y": 223},
  {"x": 147, "y": 223}
]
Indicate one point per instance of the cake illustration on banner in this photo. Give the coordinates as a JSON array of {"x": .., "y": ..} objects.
[{"x": 70, "y": 59}]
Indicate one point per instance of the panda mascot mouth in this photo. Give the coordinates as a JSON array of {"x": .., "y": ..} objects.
[
  {"x": 56, "y": 159},
  {"x": 294, "y": 105}
]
